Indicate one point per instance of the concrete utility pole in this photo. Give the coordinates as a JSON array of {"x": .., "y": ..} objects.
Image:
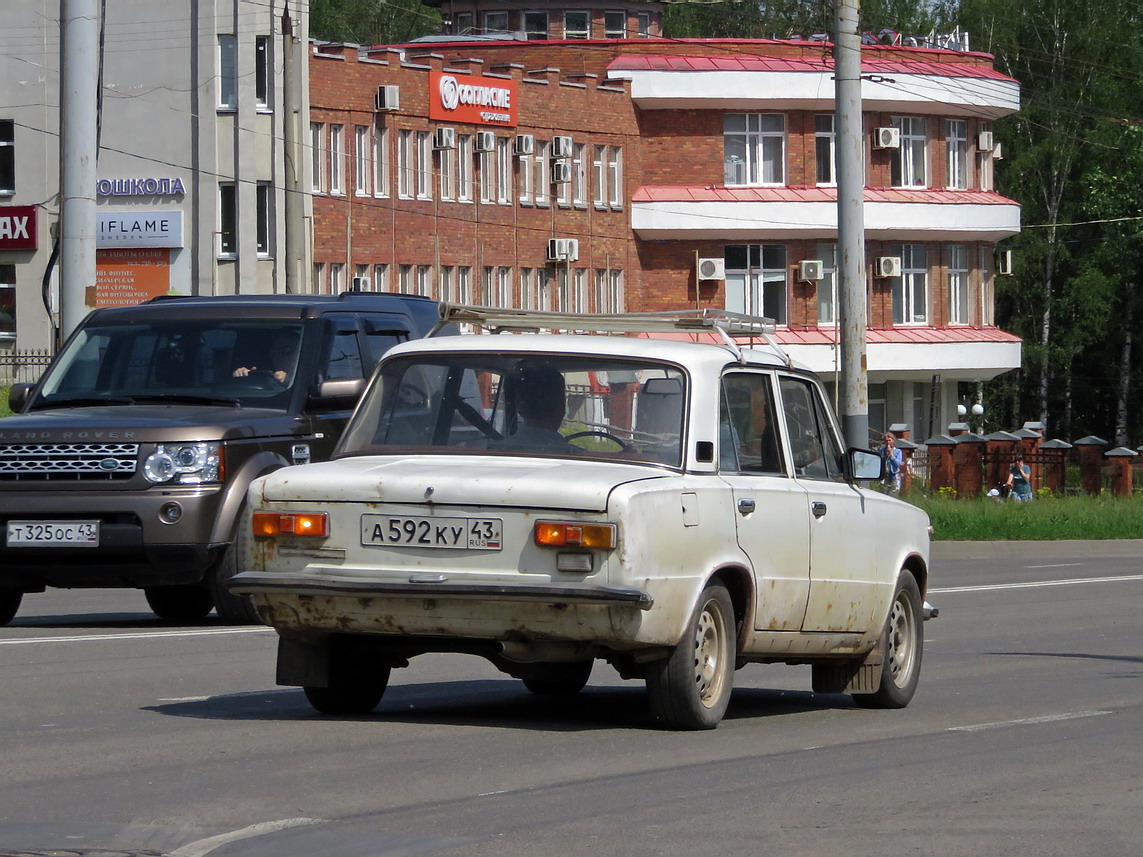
[
  {"x": 79, "y": 99},
  {"x": 849, "y": 138},
  {"x": 295, "y": 213}
]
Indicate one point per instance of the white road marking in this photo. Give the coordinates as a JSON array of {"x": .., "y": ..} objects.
[
  {"x": 1036, "y": 584},
  {"x": 1028, "y": 721},
  {"x": 1057, "y": 565},
  {"x": 186, "y": 699},
  {"x": 140, "y": 635},
  {"x": 205, "y": 846}
]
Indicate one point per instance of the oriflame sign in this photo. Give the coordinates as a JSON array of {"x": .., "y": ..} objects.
[
  {"x": 477, "y": 100},
  {"x": 18, "y": 227}
]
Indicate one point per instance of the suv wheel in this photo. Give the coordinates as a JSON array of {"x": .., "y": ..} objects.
[
  {"x": 9, "y": 603},
  {"x": 179, "y": 602},
  {"x": 690, "y": 688}
]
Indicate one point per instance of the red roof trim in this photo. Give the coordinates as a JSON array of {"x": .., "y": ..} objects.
[
  {"x": 791, "y": 64},
  {"x": 660, "y": 193}
]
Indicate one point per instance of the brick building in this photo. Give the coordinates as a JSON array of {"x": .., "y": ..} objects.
[{"x": 638, "y": 174}]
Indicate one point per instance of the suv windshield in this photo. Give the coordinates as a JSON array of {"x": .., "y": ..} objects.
[
  {"x": 522, "y": 404},
  {"x": 213, "y": 362}
]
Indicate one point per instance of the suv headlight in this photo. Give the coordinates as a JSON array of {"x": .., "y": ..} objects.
[{"x": 184, "y": 463}]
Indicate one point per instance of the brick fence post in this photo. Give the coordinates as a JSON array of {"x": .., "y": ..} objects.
[
  {"x": 1091, "y": 463},
  {"x": 1121, "y": 459},
  {"x": 940, "y": 462},
  {"x": 907, "y": 448},
  {"x": 968, "y": 459}
]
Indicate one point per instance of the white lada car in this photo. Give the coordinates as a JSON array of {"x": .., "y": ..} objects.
[{"x": 676, "y": 508}]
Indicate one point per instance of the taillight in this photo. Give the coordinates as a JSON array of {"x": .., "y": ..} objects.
[
  {"x": 558, "y": 534},
  {"x": 267, "y": 524}
]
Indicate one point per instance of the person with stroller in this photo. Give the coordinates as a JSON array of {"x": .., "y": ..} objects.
[{"x": 1020, "y": 480}]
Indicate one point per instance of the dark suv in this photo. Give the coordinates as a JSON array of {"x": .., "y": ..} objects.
[{"x": 129, "y": 464}]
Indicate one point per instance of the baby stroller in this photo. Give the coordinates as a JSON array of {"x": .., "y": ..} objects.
[{"x": 1001, "y": 491}]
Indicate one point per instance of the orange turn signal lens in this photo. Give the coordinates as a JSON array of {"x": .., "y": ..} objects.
[
  {"x": 266, "y": 524},
  {"x": 558, "y": 534}
]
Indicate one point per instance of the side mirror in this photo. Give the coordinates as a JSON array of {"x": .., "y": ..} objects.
[
  {"x": 18, "y": 396},
  {"x": 337, "y": 395},
  {"x": 862, "y": 465}
]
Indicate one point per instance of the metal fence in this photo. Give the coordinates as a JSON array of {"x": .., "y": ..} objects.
[{"x": 23, "y": 366}]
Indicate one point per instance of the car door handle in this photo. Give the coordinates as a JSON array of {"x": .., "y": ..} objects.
[
  {"x": 818, "y": 508},
  {"x": 745, "y": 506}
]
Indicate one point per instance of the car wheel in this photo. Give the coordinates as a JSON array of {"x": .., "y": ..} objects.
[
  {"x": 231, "y": 608},
  {"x": 690, "y": 688},
  {"x": 9, "y": 603},
  {"x": 342, "y": 698},
  {"x": 904, "y": 641},
  {"x": 563, "y": 679},
  {"x": 179, "y": 602}
]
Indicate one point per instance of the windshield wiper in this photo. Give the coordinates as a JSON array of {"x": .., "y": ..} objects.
[
  {"x": 186, "y": 398},
  {"x": 81, "y": 402}
]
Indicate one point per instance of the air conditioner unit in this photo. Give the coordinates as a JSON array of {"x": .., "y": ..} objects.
[
  {"x": 984, "y": 141},
  {"x": 561, "y": 172},
  {"x": 563, "y": 249},
  {"x": 712, "y": 269},
  {"x": 561, "y": 147},
  {"x": 485, "y": 141},
  {"x": 1004, "y": 263},
  {"x": 810, "y": 269},
  {"x": 444, "y": 138},
  {"x": 360, "y": 284},
  {"x": 388, "y": 98},
  {"x": 887, "y": 266},
  {"x": 525, "y": 144},
  {"x": 997, "y": 152},
  {"x": 886, "y": 138}
]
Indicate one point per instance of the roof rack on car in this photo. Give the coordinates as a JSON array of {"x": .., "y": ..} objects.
[{"x": 728, "y": 326}]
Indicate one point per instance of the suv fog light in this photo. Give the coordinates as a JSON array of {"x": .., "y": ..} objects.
[
  {"x": 169, "y": 513},
  {"x": 579, "y": 562}
]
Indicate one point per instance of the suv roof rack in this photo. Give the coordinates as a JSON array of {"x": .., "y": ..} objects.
[{"x": 729, "y": 326}]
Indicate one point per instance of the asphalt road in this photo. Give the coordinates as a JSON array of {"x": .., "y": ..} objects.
[{"x": 124, "y": 734}]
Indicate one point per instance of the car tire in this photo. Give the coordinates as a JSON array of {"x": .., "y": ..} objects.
[
  {"x": 690, "y": 688},
  {"x": 562, "y": 679},
  {"x": 191, "y": 601},
  {"x": 9, "y": 604},
  {"x": 903, "y": 641},
  {"x": 231, "y": 608},
  {"x": 349, "y": 698}
]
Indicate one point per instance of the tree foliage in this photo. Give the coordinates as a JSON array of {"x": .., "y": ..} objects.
[{"x": 372, "y": 22}]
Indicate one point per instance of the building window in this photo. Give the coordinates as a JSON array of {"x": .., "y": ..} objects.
[
  {"x": 524, "y": 162},
  {"x": 319, "y": 277},
  {"x": 445, "y": 286},
  {"x": 958, "y": 285},
  {"x": 579, "y": 290},
  {"x": 447, "y": 167},
  {"x": 381, "y": 278},
  {"x": 615, "y": 24},
  {"x": 956, "y": 141},
  {"x": 424, "y": 165},
  {"x": 754, "y": 148},
  {"x": 337, "y": 160},
  {"x": 756, "y": 280},
  {"x": 380, "y": 160},
  {"x": 262, "y": 75},
  {"x": 464, "y": 285},
  {"x": 824, "y": 149},
  {"x": 503, "y": 287},
  {"x": 563, "y": 190},
  {"x": 536, "y": 25},
  {"x": 488, "y": 176},
  {"x": 360, "y": 277},
  {"x": 827, "y": 285},
  {"x": 527, "y": 297},
  {"x": 577, "y": 24},
  {"x": 361, "y": 151},
  {"x": 908, "y": 161},
  {"x": 486, "y": 281},
  {"x": 263, "y": 193},
  {"x": 910, "y": 290},
  {"x": 495, "y": 22},
  {"x": 336, "y": 278},
  {"x": 543, "y": 171},
  {"x": 644, "y": 24},
  {"x": 503, "y": 171},
  {"x": 462, "y": 23},
  {"x": 464, "y": 167},
  {"x": 317, "y": 157},
  {"x": 579, "y": 174},
  {"x": 405, "y": 164},
  {"x": 615, "y": 176},
  {"x": 425, "y": 280},
  {"x": 599, "y": 175},
  {"x": 405, "y": 279},
  {"x": 7, "y": 301},
  {"x": 227, "y": 72},
  {"x": 615, "y": 290},
  {"x": 985, "y": 160},
  {"x": 7, "y": 156},
  {"x": 227, "y": 219}
]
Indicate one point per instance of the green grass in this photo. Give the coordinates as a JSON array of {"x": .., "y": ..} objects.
[
  {"x": 5, "y": 411},
  {"x": 1045, "y": 518}
]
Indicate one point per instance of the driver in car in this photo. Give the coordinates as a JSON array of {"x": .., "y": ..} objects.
[
  {"x": 541, "y": 403},
  {"x": 283, "y": 355}
]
